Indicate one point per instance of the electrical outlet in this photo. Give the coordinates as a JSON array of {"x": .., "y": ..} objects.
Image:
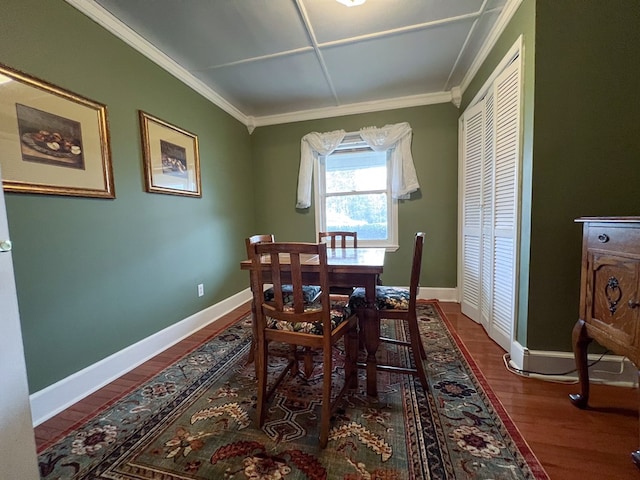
[{"x": 200, "y": 289}]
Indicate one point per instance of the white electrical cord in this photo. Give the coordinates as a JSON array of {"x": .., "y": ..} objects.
[{"x": 548, "y": 377}]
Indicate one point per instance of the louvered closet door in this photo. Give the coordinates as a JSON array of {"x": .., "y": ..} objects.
[
  {"x": 490, "y": 204},
  {"x": 486, "y": 262},
  {"x": 505, "y": 204},
  {"x": 472, "y": 157}
]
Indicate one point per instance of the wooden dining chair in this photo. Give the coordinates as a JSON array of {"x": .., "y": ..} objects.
[
  {"x": 339, "y": 239},
  {"x": 310, "y": 292},
  {"x": 399, "y": 303},
  {"x": 291, "y": 320}
]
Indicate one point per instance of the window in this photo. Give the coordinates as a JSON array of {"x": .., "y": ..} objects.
[
  {"x": 355, "y": 188},
  {"x": 353, "y": 193}
]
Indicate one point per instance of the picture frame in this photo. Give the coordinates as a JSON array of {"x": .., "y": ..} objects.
[
  {"x": 170, "y": 156},
  {"x": 52, "y": 141}
]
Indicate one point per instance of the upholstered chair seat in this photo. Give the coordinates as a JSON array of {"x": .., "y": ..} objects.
[
  {"x": 309, "y": 292},
  {"x": 387, "y": 298},
  {"x": 339, "y": 312}
]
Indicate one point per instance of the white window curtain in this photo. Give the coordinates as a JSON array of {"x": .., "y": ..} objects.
[
  {"x": 395, "y": 137},
  {"x": 312, "y": 145}
]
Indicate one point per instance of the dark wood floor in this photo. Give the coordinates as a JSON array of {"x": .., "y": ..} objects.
[{"x": 571, "y": 444}]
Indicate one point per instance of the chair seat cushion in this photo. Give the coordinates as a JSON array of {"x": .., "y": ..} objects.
[
  {"x": 387, "y": 298},
  {"x": 309, "y": 292},
  {"x": 340, "y": 311}
]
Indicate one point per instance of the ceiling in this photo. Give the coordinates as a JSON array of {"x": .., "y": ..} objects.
[{"x": 273, "y": 61}]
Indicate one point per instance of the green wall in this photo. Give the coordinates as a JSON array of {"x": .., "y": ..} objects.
[
  {"x": 94, "y": 275},
  {"x": 586, "y": 146},
  {"x": 580, "y": 148},
  {"x": 522, "y": 25},
  {"x": 433, "y": 209}
]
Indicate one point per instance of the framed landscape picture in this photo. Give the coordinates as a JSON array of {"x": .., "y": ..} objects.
[
  {"x": 171, "y": 158},
  {"x": 52, "y": 141}
]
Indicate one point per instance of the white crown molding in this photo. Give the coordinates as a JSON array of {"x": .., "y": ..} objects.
[
  {"x": 103, "y": 18},
  {"x": 354, "y": 108},
  {"x": 505, "y": 17},
  {"x": 516, "y": 50},
  {"x": 456, "y": 96}
]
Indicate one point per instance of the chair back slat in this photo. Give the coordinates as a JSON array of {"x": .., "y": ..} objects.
[
  {"x": 274, "y": 260},
  {"x": 341, "y": 236},
  {"x": 296, "y": 281}
]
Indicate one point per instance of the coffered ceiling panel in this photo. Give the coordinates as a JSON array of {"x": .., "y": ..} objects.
[
  {"x": 369, "y": 63},
  {"x": 332, "y": 22},
  {"x": 266, "y": 61},
  {"x": 295, "y": 82}
]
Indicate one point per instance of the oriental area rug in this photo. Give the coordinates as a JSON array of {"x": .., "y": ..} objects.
[{"x": 195, "y": 420}]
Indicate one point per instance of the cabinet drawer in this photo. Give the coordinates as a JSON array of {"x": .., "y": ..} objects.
[{"x": 615, "y": 239}]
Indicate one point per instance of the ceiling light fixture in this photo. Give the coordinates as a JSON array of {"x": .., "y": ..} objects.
[{"x": 351, "y": 3}]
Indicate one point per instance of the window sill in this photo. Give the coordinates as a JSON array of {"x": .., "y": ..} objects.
[{"x": 387, "y": 247}]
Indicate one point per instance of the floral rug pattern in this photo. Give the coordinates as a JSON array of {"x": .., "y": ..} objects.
[{"x": 195, "y": 420}]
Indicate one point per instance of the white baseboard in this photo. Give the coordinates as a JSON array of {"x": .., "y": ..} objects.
[
  {"x": 442, "y": 294},
  {"x": 61, "y": 395},
  {"x": 518, "y": 354},
  {"x": 55, "y": 398},
  {"x": 610, "y": 370}
]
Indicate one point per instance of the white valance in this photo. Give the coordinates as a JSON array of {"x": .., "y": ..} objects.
[{"x": 395, "y": 137}]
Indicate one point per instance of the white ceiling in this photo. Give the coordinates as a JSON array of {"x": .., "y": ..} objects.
[{"x": 272, "y": 61}]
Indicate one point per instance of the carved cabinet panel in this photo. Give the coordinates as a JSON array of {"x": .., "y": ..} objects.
[{"x": 609, "y": 295}]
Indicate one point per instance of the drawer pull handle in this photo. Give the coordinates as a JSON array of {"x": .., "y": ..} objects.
[
  {"x": 634, "y": 304},
  {"x": 603, "y": 238}
]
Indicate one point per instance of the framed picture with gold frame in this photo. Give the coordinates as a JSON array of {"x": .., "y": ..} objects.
[
  {"x": 171, "y": 158},
  {"x": 52, "y": 141}
]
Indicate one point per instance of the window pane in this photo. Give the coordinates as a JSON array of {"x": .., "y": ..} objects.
[
  {"x": 365, "y": 214},
  {"x": 356, "y": 172}
]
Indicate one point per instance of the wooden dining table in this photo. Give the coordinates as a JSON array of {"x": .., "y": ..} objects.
[{"x": 351, "y": 267}]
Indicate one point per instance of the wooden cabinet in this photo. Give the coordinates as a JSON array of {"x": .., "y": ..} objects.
[{"x": 609, "y": 295}]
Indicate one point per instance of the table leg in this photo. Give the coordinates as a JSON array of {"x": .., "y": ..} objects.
[{"x": 371, "y": 328}]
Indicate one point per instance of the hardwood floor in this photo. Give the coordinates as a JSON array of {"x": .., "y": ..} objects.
[{"x": 571, "y": 444}]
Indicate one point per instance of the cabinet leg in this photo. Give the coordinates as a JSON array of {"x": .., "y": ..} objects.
[{"x": 580, "y": 343}]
